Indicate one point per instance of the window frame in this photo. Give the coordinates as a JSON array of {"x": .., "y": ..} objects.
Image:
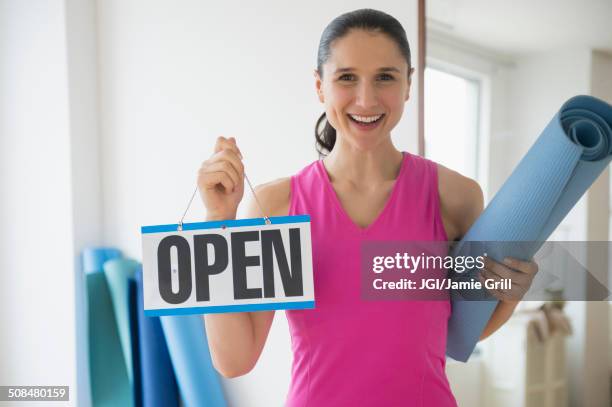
[{"x": 483, "y": 108}]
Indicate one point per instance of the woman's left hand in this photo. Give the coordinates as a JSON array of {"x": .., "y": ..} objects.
[{"x": 520, "y": 273}]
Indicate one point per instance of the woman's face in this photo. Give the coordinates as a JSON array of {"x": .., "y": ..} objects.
[{"x": 364, "y": 86}]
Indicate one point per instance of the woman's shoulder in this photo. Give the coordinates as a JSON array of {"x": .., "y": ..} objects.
[
  {"x": 461, "y": 200},
  {"x": 274, "y": 197},
  {"x": 452, "y": 181}
]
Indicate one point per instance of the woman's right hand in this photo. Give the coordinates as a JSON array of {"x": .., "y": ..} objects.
[{"x": 221, "y": 180}]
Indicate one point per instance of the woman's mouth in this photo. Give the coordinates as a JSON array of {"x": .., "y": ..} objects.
[{"x": 365, "y": 122}]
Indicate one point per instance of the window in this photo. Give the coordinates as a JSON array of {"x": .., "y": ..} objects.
[{"x": 452, "y": 115}]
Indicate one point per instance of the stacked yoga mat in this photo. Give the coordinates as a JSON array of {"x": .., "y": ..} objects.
[
  {"x": 136, "y": 360},
  {"x": 574, "y": 148}
]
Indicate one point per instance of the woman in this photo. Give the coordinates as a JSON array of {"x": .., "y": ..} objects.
[{"x": 347, "y": 351}]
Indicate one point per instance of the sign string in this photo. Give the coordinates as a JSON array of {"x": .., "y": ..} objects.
[{"x": 266, "y": 218}]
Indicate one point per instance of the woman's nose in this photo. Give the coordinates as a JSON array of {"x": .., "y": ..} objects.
[{"x": 366, "y": 96}]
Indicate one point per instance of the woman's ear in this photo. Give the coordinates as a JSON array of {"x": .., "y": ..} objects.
[
  {"x": 409, "y": 83},
  {"x": 318, "y": 86}
]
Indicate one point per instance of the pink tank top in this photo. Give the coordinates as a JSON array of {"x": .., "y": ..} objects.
[{"x": 348, "y": 352}]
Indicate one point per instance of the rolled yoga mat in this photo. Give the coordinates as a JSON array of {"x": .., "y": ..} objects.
[
  {"x": 118, "y": 273},
  {"x": 110, "y": 382},
  {"x": 574, "y": 148},
  {"x": 134, "y": 333},
  {"x": 197, "y": 379},
  {"x": 158, "y": 384}
]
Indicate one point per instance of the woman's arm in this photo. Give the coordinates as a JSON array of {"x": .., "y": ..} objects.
[
  {"x": 521, "y": 273},
  {"x": 461, "y": 202},
  {"x": 236, "y": 340}
]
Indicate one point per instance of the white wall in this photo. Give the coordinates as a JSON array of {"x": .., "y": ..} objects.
[
  {"x": 174, "y": 76},
  {"x": 82, "y": 54},
  {"x": 598, "y": 230},
  {"x": 36, "y": 244},
  {"x": 601, "y": 83},
  {"x": 50, "y": 189}
]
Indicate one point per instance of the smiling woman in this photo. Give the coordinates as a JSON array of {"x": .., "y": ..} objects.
[{"x": 363, "y": 189}]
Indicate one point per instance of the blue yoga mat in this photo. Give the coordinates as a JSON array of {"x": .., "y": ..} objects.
[
  {"x": 135, "y": 335},
  {"x": 118, "y": 273},
  {"x": 574, "y": 148},
  {"x": 110, "y": 381},
  {"x": 156, "y": 378},
  {"x": 198, "y": 381}
]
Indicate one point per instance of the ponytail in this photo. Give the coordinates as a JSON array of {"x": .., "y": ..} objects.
[{"x": 325, "y": 138}]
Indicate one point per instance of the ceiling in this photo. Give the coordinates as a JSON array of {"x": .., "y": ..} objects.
[{"x": 513, "y": 27}]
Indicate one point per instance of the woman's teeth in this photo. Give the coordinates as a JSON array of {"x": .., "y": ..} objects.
[{"x": 365, "y": 119}]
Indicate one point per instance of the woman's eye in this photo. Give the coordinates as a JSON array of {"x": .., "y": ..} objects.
[
  {"x": 386, "y": 77},
  {"x": 347, "y": 77}
]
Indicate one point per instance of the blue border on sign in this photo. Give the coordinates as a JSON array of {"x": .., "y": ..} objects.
[
  {"x": 232, "y": 223},
  {"x": 213, "y": 309}
]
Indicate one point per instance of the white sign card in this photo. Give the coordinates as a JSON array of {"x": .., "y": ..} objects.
[{"x": 227, "y": 266}]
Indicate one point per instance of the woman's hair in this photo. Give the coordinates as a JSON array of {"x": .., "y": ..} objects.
[{"x": 363, "y": 19}]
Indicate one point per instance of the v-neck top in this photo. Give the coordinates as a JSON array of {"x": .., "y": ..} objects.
[
  {"x": 320, "y": 167},
  {"x": 367, "y": 353}
]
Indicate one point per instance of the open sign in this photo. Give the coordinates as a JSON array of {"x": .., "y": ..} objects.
[{"x": 227, "y": 266}]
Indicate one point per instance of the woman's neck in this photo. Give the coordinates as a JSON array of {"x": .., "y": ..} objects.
[{"x": 363, "y": 167}]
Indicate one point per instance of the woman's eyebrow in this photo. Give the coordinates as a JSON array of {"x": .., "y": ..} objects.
[
  {"x": 389, "y": 69},
  {"x": 383, "y": 69}
]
